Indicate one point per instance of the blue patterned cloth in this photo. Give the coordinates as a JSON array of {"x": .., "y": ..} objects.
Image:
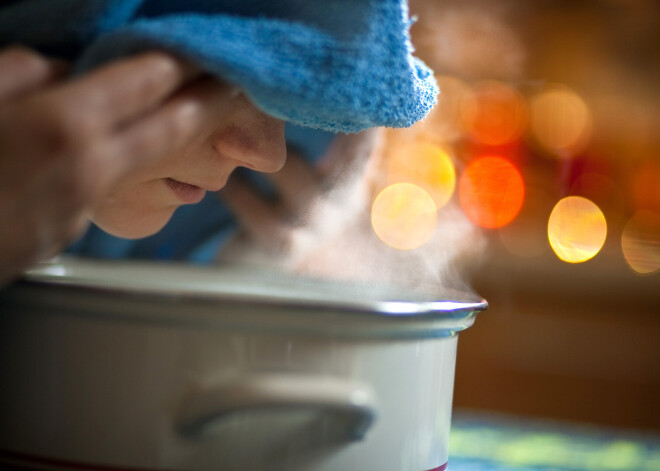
[{"x": 336, "y": 65}]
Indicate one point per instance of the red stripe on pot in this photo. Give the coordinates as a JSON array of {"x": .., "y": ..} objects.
[
  {"x": 42, "y": 463},
  {"x": 26, "y": 461}
]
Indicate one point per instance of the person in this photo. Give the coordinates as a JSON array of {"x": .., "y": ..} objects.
[{"x": 122, "y": 146}]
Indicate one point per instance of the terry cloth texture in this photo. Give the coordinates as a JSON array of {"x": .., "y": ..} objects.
[{"x": 335, "y": 65}]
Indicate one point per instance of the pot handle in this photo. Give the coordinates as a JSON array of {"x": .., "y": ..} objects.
[{"x": 349, "y": 400}]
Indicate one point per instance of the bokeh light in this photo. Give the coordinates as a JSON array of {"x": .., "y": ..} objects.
[
  {"x": 497, "y": 116},
  {"x": 560, "y": 121},
  {"x": 576, "y": 229},
  {"x": 442, "y": 124},
  {"x": 604, "y": 192},
  {"x": 404, "y": 216},
  {"x": 426, "y": 165},
  {"x": 491, "y": 191},
  {"x": 640, "y": 242}
]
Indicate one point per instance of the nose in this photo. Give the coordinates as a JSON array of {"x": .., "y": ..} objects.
[{"x": 253, "y": 139}]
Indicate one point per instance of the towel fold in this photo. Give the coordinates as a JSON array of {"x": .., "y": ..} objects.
[{"x": 336, "y": 65}]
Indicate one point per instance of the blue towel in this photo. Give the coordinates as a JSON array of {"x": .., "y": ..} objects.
[{"x": 335, "y": 65}]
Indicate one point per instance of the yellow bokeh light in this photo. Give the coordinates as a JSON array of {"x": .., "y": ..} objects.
[
  {"x": 560, "y": 121},
  {"x": 640, "y": 242},
  {"x": 404, "y": 216},
  {"x": 427, "y": 166},
  {"x": 576, "y": 229}
]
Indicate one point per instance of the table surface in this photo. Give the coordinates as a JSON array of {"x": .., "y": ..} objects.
[{"x": 480, "y": 442}]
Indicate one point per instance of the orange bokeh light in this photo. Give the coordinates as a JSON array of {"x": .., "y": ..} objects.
[
  {"x": 496, "y": 116},
  {"x": 491, "y": 191}
]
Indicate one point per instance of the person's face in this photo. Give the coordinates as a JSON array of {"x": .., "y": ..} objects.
[{"x": 240, "y": 135}]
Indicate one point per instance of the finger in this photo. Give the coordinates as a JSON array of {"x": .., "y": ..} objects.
[
  {"x": 24, "y": 70},
  {"x": 169, "y": 128},
  {"x": 124, "y": 90},
  {"x": 258, "y": 217},
  {"x": 296, "y": 183},
  {"x": 76, "y": 229}
]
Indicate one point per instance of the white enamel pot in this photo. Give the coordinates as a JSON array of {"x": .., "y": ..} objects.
[{"x": 135, "y": 367}]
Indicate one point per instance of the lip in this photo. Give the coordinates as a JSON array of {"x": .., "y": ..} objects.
[
  {"x": 215, "y": 182},
  {"x": 189, "y": 194}
]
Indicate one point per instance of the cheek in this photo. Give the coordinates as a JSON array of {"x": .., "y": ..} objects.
[{"x": 134, "y": 211}]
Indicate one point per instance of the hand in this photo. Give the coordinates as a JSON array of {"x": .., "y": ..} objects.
[
  {"x": 318, "y": 210},
  {"x": 65, "y": 143}
]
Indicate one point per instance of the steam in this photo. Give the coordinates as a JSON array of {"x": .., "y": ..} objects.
[{"x": 334, "y": 238}]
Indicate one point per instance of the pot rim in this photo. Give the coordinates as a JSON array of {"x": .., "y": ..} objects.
[{"x": 240, "y": 297}]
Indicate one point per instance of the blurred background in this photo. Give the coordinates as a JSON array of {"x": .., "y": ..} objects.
[{"x": 548, "y": 116}]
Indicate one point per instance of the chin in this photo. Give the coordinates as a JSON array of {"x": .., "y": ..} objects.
[{"x": 132, "y": 226}]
